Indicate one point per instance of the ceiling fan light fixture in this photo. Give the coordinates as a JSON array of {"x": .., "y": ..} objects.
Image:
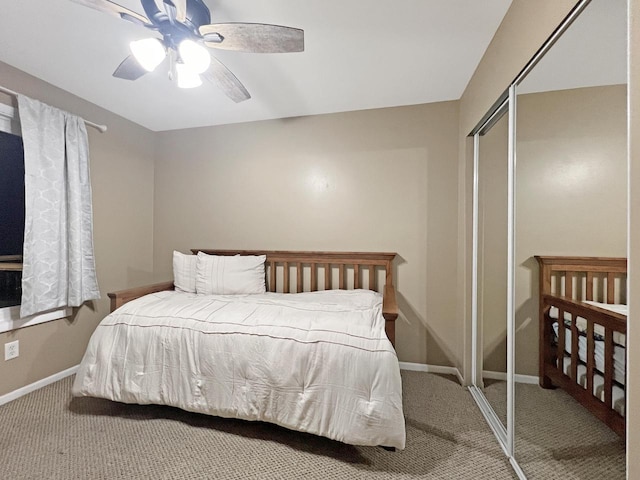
[
  {"x": 149, "y": 52},
  {"x": 194, "y": 55},
  {"x": 185, "y": 29},
  {"x": 187, "y": 77}
]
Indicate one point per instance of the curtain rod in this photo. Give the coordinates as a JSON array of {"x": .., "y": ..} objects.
[{"x": 100, "y": 128}]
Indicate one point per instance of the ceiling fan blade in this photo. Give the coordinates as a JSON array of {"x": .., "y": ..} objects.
[
  {"x": 224, "y": 79},
  {"x": 254, "y": 37},
  {"x": 129, "y": 69},
  {"x": 114, "y": 9}
]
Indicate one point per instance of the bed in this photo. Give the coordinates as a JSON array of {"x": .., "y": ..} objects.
[
  {"x": 584, "y": 354},
  {"x": 312, "y": 351}
]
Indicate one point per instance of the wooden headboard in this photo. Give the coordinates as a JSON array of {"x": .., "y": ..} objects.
[
  {"x": 601, "y": 279},
  {"x": 292, "y": 272}
]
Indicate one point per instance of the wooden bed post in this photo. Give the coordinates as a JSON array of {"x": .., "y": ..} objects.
[
  {"x": 123, "y": 296},
  {"x": 545, "y": 355}
]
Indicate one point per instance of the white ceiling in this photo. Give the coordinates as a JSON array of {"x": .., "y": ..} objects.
[{"x": 358, "y": 55}]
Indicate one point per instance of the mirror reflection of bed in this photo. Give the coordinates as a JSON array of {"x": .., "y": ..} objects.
[{"x": 571, "y": 200}]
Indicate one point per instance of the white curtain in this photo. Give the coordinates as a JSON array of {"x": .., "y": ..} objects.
[{"x": 59, "y": 266}]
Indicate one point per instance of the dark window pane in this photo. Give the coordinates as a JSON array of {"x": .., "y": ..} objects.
[
  {"x": 11, "y": 214},
  {"x": 11, "y": 194}
]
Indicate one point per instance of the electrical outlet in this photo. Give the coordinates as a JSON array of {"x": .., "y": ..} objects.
[{"x": 11, "y": 350}]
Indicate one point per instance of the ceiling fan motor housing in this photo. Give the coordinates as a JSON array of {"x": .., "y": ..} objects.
[{"x": 197, "y": 14}]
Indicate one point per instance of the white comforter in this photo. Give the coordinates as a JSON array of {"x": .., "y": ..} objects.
[{"x": 315, "y": 362}]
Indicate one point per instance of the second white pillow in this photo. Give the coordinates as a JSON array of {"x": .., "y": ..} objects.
[{"x": 227, "y": 275}]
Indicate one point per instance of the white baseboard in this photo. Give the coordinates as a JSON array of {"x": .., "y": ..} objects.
[
  {"x": 37, "y": 385},
  {"x": 422, "y": 367},
  {"x": 530, "y": 379}
]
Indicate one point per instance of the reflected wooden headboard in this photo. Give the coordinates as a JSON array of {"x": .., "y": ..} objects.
[
  {"x": 292, "y": 271},
  {"x": 584, "y": 278}
]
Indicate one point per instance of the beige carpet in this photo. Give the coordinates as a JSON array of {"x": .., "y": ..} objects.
[
  {"x": 49, "y": 435},
  {"x": 557, "y": 438}
]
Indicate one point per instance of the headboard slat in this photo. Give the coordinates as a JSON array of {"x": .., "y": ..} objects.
[
  {"x": 272, "y": 266},
  {"x": 372, "y": 277},
  {"x": 299, "y": 278},
  {"x": 568, "y": 284},
  {"x": 611, "y": 283},
  {"x": 327, "y": 276},
  {"x": 286, "y": 285},
  {"x": 314, "y": 277},
  {"x": 589, "y": 285}
]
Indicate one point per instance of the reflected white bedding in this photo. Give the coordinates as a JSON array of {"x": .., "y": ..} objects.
[
  {"x": 315, "y": 362},
  {"x": 619, "y": 339}
]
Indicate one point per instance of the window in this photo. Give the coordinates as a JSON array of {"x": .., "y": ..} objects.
[
  {"x": 11, "y": 218},
  {"x": 12, "y": 227}
]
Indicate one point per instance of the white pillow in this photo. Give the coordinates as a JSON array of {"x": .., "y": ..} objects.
[
  {"x": 184, "y": 272},
  {"x": 226, "y": 275}
]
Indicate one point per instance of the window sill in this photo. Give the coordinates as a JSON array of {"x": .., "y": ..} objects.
[{"x": 10, "y": 318}]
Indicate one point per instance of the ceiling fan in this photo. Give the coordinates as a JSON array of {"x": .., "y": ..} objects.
[{"x": 186, "y": 28}]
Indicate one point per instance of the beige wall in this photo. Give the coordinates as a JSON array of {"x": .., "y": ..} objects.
[
  {"x": 571, "y": 181},
  {"x": 122, "y": 181},
  {"x": 377, "y": 180}
]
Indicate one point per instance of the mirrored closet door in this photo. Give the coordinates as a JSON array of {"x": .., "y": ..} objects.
[
  {"x": 549, "y": 253},
  {"x": 491, "y": 147},
  {"x": 571, "y": 212}
]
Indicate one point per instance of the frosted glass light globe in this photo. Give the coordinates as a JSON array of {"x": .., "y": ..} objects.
[
  {"x": 194, "y": 55},
  {"x": 149, "y": 53}
]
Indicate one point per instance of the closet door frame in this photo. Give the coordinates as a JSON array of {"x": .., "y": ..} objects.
[{"x": 505, "y": 105}]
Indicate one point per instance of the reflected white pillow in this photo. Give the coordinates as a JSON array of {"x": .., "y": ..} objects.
[
  {"x": 225, "y": 275},
  {"x": 184, "y": 272}
]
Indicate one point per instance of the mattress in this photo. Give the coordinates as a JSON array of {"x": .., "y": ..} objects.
[{"x": 314, "y": 362}]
